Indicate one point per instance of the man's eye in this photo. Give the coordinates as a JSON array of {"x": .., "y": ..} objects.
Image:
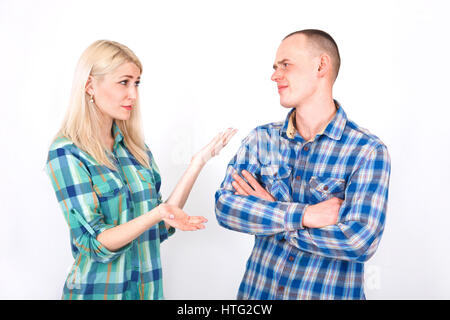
[
  {"x": 285, "y": 65},
  {"x": 137, "y": 83}
]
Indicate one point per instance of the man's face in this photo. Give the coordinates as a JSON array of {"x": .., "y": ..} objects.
[{"x": 295, "y": 71}]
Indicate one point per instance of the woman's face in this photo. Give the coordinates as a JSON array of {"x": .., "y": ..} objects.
[{"x": 115, "y": 94}]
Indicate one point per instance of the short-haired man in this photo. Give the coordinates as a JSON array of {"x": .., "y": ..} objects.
[{"x": 315, "y": 189}]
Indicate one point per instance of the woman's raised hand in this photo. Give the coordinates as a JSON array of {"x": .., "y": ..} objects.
[
  {"x": 213, "y": 148},
  {"x": 179, "y": 219}
]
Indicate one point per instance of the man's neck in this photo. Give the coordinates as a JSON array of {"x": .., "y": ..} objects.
[{"x": 312, "y": 118}]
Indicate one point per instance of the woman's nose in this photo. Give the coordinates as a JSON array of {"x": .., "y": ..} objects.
[{"x": 133, "y": 92}]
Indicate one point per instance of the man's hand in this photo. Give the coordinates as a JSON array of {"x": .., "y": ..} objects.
[
  {"x": 319, "y": 215},
  {"x": 255, "y": 189},
  {"x": 322, "y": 214}
]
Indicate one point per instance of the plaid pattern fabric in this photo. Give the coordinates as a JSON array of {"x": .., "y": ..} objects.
[
  {"x": 290, "y": 261},
  {"x": 94, "y": 198}
]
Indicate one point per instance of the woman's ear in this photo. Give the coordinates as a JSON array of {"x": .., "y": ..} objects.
[{"x": 88, "y": 87}]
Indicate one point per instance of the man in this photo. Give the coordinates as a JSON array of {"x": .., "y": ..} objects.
[{"x": 315, "y": 189}]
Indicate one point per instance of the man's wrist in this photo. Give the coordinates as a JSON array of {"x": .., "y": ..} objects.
[
  {"x": 294, "y": 216},
  {"x": 306, "y": 215}
]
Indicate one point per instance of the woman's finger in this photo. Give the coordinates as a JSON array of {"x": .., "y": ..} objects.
[
  {"x": 188, "y": 228},
  {"x": 216, "y": 145},
  {"x": 229, "y": 134},
  {"x": 194, "y": 227},
  {"x": 215, "y": 139},
  {"x": 197, "y": 219}
]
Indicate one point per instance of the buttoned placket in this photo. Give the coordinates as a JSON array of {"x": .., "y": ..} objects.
[
  {"x": 303, "y": 152},
  {"x": 132, "y": 258}
]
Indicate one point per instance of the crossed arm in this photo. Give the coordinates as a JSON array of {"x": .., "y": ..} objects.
[
  {"x": 346, "y": 230},
  {"x": 315, "y": 216}
]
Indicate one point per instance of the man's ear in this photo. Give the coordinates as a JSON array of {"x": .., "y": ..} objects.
[
  {"x": 324, "y": 65},
  {"x": 88, "y": 86}
]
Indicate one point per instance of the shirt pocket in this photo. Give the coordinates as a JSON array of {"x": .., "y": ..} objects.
[
  {"x": 324, "y": 188},
  {"x": 143, "y": 188},
  {"x": 112, "y": 198},
  {"x": 277, "y": 181}
]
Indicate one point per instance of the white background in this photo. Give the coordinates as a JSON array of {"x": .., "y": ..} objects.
[{"x": 207, "y": 66}]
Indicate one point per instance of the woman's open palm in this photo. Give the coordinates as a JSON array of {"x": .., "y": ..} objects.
[{"x": 179, "y": 219}]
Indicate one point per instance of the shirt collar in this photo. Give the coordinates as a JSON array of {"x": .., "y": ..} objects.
[
  {"x": 334, "y": 129},
  {"x": 117, "y": 134}
]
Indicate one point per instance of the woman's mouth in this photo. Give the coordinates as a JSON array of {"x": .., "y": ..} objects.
[{"x": 127, "y": 107}]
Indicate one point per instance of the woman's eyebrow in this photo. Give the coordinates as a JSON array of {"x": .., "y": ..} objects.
[{"x": 130, "y": 77}]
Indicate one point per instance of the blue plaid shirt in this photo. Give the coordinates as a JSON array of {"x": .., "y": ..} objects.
[{"x": 290, "y": 261}]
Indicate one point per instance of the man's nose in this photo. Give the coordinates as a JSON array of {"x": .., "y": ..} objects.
[{"x": 276, "y": 76}]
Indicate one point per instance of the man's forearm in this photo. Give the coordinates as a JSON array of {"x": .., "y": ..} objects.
[{"x": 252, "y": 215}]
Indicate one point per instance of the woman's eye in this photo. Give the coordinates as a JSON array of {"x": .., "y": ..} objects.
[
  {"x": 124, "y": 82},
  {"x": 137, "y": 83}
]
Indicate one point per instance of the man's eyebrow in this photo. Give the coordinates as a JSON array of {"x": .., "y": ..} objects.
[{"x": 279, "y": 62}]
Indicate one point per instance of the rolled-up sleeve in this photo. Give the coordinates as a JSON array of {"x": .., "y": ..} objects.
[
  {"x": 164, "y": 233},
  {"x": 79, "y": 202}
]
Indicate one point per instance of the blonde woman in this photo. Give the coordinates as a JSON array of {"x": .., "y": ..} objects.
[{"x": 107, "y": 182}]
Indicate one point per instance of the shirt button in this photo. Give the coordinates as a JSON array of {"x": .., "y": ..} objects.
[
  {"x": 325, "y": 188},
  {"x": 297, "y": 178},
  {"x": 281, "y": 288},
  {"x": 306, "y": 148},
  {"x": 291, "y": 258}
]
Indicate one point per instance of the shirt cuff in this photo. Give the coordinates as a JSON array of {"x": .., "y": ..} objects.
[
  {"x": 294, "y": 216},
  {"x": 165, "y": 233}
]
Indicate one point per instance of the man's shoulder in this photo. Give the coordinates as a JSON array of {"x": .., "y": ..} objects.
[
  {"x": 268, "y": 129},
  {"x": 363, "y": 135}
]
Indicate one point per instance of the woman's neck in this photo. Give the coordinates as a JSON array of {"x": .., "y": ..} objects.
[{"x": 106, "y": 132}]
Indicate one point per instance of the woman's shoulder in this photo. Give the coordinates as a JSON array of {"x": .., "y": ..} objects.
[
  {"x": 62, "y": 146},
  {"x": 61, "y": 143}
]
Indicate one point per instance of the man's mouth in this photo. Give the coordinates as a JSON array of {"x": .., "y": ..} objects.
[{"x": 281, "y": 88}]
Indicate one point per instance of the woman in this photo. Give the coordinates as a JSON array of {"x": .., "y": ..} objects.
[{"x": 107, "y": 182}]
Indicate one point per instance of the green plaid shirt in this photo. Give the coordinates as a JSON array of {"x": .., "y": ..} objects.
[{"x": 94, "y": 198}]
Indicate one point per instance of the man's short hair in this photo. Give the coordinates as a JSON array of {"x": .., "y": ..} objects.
[{"x": 322, "y": 41}]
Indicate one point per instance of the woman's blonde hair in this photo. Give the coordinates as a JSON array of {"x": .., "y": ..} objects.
[{"x": 82, "y": 120}]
